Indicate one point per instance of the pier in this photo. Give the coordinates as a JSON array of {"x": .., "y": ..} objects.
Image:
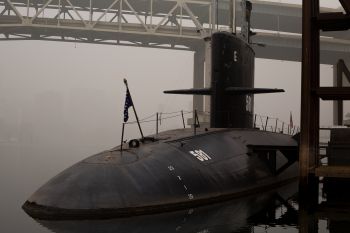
[
  {"x": 313, "y": 23},
  {"x": 332, "y": 176}
]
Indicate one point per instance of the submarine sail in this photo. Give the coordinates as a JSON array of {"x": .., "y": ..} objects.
[{"x": 232, "y": 83}]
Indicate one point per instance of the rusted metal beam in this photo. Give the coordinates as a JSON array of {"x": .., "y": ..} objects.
[
  {"x": 346, "y": 5},
  {"x": 333, "y": 21}
]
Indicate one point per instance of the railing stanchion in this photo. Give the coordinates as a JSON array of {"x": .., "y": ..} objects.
[
  {"x": 122, "y": 139},
  {"x": 183, "y": 119},
  {"x": 262, "y": 123},
  {"x": 157, "y": 123},
  {"x": 276, "y": 125},
  {"x": 195, "y": 122},
  {"x": 267, "y": 119},
  {"x": 254, "y": 121}
]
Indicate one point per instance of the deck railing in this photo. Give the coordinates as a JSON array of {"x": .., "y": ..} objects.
[{"x": 262, "y": 122}]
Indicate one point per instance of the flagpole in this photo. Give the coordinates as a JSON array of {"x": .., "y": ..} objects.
[{"x": 133, "y": 107}]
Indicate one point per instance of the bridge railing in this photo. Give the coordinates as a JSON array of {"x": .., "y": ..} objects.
[{"x": 181, "y": 18}]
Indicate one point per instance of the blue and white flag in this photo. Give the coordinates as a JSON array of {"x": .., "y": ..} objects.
[{"x": 128, "y": 104}]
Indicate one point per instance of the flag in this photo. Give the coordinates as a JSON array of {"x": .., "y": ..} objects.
[
  {"x": 127, "y": 105},
  {"x": 291, "y": 121}
]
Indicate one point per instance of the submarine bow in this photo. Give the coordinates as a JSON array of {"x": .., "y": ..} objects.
[{"x": 180, "y": 172}]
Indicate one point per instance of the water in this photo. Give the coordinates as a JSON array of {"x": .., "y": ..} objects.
[{"x": 24, "y": 168}]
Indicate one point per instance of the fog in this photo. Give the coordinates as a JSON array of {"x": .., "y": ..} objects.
[
  {"x": 54, "y": 93},
  {"x": 72, "y": 94},
  {"x": 61, "y": 102}
]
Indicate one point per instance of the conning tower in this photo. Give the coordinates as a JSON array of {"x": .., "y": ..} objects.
[
  {"x": 232, "y": 83},
  {"x": 232, "y": 78}
]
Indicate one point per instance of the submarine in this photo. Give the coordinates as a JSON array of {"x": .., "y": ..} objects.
[{"x": 182, "y": 168}]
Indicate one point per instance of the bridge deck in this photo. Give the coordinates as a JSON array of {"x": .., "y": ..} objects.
[{"x": 173, "y": 24}]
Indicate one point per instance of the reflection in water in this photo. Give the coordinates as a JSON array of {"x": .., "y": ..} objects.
[
  {"x": 335, "y": 206},
  {"x": 263, "y": 213},
  {"x": 239, "y": 215}
]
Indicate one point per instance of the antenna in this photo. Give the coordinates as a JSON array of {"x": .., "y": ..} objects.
[
  {"x": 245, "y": 27},
  {"x": 217, "y": 14},
  {"x": 233, "y": 16}
]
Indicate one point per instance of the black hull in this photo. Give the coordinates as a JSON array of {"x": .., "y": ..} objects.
[
  {"x": 52, "y": 213},
  {"x": 163, "y": 176}
]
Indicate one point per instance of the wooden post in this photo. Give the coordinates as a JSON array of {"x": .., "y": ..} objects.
[{"x": 309, "y": 102}]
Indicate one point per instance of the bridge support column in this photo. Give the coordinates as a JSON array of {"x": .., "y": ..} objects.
[
  {"x": 198, "y": 77},
  {"x": 207, "y": 75}
]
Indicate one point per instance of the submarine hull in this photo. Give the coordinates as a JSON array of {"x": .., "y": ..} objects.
[{"x": 178, "y": 171}]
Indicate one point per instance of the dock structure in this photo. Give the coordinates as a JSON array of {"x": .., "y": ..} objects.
[
  {"x": 336, "y": 171},
  {"x": 313, "y": 23}
]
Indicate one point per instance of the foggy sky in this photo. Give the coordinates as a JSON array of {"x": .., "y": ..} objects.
[
  {"x": 71, "y": 93},
  {"x": 61, "y": 102}
]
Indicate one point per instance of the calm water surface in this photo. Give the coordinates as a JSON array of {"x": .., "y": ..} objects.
[{"x": 24, "y": 168}]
